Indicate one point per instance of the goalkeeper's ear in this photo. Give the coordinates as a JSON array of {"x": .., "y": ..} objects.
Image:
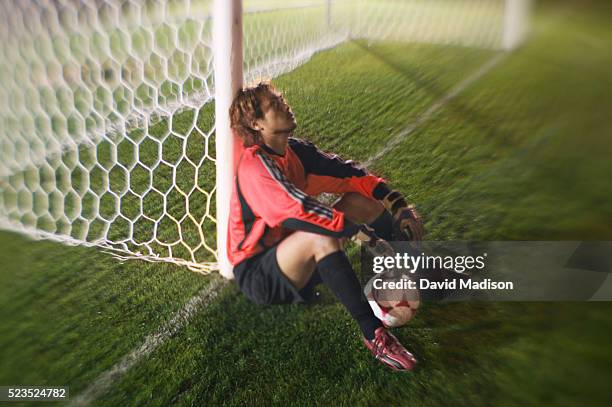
[{"x": 255, "y": 125}]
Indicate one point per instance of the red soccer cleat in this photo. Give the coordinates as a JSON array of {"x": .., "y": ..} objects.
[{"x": 386, "y": 348}]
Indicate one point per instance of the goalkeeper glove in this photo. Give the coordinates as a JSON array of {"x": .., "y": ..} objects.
[{"x": 406, "y": 220}]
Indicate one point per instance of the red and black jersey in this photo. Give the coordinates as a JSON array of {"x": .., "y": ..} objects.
[{"x": 272, "y": 196}]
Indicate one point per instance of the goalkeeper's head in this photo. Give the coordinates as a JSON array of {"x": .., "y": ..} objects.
[{"x": 260, "y": 113}]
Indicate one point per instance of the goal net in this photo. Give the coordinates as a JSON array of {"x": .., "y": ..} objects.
[{"x": 107, "y": 125}]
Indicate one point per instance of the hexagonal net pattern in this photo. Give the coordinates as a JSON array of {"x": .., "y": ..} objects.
[
  {"x": 108, "y": 138},
  {"x": 107, "y": 111}
]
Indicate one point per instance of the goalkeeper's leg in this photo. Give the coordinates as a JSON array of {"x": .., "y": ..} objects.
[
  {"x": 298, "y": 256},
  {"x": 301, "y": 253},
  {"x": 300, "y": 265},
  {"x": 358, "y": 209}
]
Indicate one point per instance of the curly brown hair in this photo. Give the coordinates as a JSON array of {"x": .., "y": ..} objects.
[{"x": 246, "y": 108}]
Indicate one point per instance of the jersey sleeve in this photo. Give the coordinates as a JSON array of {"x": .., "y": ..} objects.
[
  {"x": 329, "y": 173},
  {"x": 272, "y": 197}
]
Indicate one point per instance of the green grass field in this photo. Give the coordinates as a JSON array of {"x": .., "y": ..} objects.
[{"x": 521, "y": 154}]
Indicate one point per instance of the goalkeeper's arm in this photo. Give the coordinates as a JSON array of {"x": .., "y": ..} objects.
[
  {"x": 280, "y": 203},
  {"x": 329, "y": 173}
]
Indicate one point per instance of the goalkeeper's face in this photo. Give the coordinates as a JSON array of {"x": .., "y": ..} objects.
[{"x": 278, "y": 118}]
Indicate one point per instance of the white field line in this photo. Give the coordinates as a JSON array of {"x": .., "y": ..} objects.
[
  {"x": 151, "y": 342},
  {"x": 440, "y": 103},
  {"x": 209, "y": 293}
]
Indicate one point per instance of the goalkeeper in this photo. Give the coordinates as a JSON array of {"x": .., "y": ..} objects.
[{"x": 282, "y": 242}]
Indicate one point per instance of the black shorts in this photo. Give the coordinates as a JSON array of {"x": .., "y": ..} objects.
[{"x": 261, "y": 280}]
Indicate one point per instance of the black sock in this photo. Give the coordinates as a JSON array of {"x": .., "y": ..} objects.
[
  {"x": 383, "y": 226},
  {"x": 337, "y": 273},
  {"x": 308, "y": 291}
]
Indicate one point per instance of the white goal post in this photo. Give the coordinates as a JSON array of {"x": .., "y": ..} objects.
[
  {"x": 227, "y": 37},
  {"x": 114, "y": 126}
]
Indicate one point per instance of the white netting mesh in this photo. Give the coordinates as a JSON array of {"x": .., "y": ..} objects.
[
  {"x": 465, "y": 22},
  {"x": 106, "y": 113},
  {"x": 281, "y": 35},
  {"x": 108, "y": 139}
]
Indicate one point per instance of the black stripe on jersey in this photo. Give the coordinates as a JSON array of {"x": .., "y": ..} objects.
[
  {"x": 309, "y": 204},
  {"x": 348, "y": 230},
  {"x": 248, "y": 217},
  {"x": 317, "y": 162}
]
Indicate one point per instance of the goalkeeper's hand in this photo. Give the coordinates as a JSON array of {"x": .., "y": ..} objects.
[
  {"x": 406, "y": 219},
  {"x": 375, "y": 245},
  {"x": 365, "y": 234}
]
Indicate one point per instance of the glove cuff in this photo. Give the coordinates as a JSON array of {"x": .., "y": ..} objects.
[
  {"x": 381, "y": 191},
  {"x": 394, "y": 201}
]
